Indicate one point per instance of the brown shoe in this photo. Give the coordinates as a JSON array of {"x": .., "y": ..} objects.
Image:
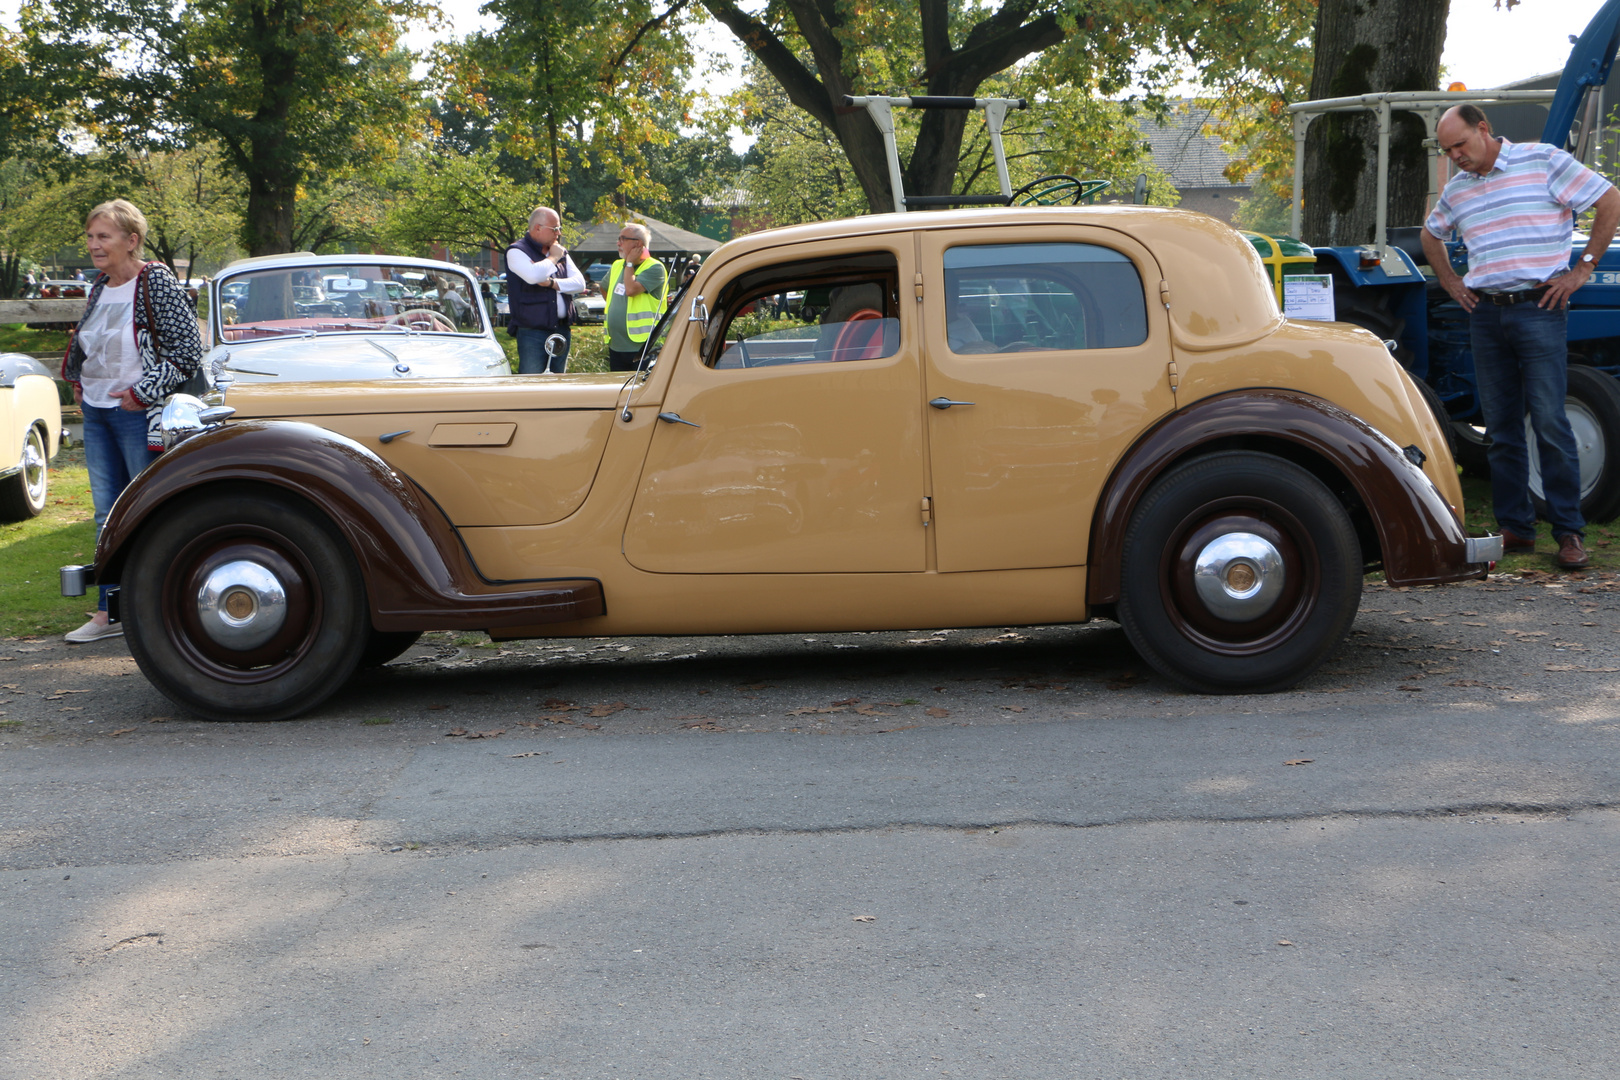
[
  {"x": 1512, "y": 541},
  {"x": 1571, "y": 555}
]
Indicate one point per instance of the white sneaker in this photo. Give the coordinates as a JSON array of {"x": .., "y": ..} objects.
[{"x": 95, "y": 631}]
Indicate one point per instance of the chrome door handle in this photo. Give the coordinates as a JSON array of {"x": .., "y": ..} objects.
[
  {"x": 945, "y": 403},
  {"x": 675, "y": 418}
]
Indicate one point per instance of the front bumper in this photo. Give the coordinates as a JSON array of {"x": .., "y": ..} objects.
[{"x": 1483, "y": 549}]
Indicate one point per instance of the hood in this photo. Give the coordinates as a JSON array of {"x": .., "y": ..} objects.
[{"x": 360, "y": 356}]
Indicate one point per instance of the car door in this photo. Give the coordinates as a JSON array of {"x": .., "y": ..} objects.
[
  {"x": 1047, "y": 354},
  {"x": 792, "y": 443}
]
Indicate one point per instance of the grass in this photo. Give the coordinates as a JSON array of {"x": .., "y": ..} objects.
[
  {"x": 1602, "y": 541},
  {"x": 31, "y": 600},
  {"x": 16, "y": 337},
  {"x": 588, "y": 351}
]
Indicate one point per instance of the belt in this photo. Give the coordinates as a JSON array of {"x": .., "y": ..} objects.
[{"x": 1508, "y": 299}]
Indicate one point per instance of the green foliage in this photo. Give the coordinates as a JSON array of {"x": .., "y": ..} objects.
[
  {"x": 1066, "y": 52},
  {"x": 31, "y": 600},
  {"x": 458, "y": 200},
  {"x": 288, "y": 89},
  {"x": 572, "y": 84}
]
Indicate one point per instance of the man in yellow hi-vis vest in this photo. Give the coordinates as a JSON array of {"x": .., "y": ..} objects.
[{"x": 635, "y": 301}]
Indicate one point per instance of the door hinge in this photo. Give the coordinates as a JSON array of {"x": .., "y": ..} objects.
[
  {"x": 916, "y": 287},
  {"x": 1175, "y": 376},
  {"x": 1164, "y": 293},
  {"x": 927, "y": 510}
]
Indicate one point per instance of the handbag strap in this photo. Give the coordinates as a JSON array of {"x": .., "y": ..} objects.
[{"x": 145, "y": 290}]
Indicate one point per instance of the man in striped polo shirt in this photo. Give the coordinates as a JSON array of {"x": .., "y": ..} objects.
[{"x": 1515, "y": 205}]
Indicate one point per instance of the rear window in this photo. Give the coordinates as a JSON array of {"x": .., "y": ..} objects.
[{"x": 1042, "y": 297}]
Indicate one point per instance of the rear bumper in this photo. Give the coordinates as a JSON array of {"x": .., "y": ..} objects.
[{"x": 1483, "y": 549}]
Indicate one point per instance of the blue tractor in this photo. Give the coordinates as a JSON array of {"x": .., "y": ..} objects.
[{"x": 1384, "y": 288}]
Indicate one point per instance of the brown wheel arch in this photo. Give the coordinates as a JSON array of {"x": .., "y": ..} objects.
[{"x": 1420, "y": 540}]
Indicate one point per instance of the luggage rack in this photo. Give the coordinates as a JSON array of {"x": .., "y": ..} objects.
[{"x": 1043, "y": 191}]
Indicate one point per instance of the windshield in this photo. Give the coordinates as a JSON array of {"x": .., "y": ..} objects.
[{"x": 347, "y": 299}]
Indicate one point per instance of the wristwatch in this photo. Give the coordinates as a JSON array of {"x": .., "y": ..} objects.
[{"x": 1587, "y": 258}]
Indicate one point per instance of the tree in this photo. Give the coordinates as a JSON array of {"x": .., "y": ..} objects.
[
  {"x": 575, "y": 83},
  {"x": 289, "y": 89},
  {"x": 459, "y": 201},
  {"x": 1366, "y": 46},
  {"x": 821, "y": 50}
]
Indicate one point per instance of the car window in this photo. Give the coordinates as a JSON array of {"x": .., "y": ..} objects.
[
  {"x": 814, "y": 311},
  {"x": 336, "y": 299},
  {"x": 1028, "y": 297}
]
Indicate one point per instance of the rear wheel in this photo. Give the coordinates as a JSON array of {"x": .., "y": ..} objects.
[
  {"x": 245, "y": 606},
  {"x": 1593, "y": 407},
  {"x": 384, "y": 645},
  {"x": 1241, "y": 574},
  {"x": 22, "y": 494}
]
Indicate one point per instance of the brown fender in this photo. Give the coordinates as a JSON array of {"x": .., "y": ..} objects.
[
  {"x": 418, "y": 575},
  {"x": 1422, "y": 541}
]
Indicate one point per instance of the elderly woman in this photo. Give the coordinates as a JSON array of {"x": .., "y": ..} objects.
[{"x": 137, "y": 343}]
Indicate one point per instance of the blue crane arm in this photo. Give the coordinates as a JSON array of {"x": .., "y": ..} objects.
[{"x": 1589, "y": 64}]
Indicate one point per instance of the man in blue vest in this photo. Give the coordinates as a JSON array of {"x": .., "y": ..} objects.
[
  {"x": 541, "y": 282},
  {"x": 635, "y": 297}
]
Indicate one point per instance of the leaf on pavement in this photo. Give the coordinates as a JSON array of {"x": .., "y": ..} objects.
[
  {"x": 806, "y": 710},
  {"x": 903, "y": 727},
  {"x": 848, "y": 701},
  {"x": 1013, "y": 708},
  {"x": 867, "y": 710},
  {"x": 497, "y": 733},
  {"x": 866, "y": 918},
  {"x": 937, "y": 711},
  {"x": 455, "y": 733},
  {"x": 1411, "y": 689},
  {"x": 558, "y": 705},
  {"x": 1299, "y": 761},
  {"x": 120, "y": 731},
  {"x": 608, "y": 710},
  {"x": 529, "y": 753},
  {"x": 707, "y": 723},
  {"x": 1284, "y": 941}
]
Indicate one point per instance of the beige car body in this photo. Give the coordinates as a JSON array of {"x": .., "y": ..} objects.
[{"x": 831, "y": 496}]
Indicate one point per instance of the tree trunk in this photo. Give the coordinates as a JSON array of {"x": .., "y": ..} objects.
[
  {"x": 1362, "y": 47},
  {"x": 272, "y": 167}
]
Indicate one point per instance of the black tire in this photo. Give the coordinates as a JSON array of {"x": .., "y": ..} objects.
[
  {"x": 1274, "y": 643},
  {"x": 1437, "y": 409},
  {"x": 1592, "y": 404},
  {"x": 22, "y": 494},
  {"x": 182, "y": 646},
  {"x": 1473, "y": 448},
  {"x": 384, "y": 645}
]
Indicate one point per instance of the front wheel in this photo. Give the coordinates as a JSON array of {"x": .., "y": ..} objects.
[
  {"x": 1241, "y": 574},
  {"x": 246, "y": 605},
  {"x": 1592, "y": 403},
  {"x": 22, "y": 494}
]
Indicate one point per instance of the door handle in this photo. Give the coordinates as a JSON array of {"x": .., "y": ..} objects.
[
  {"x": 675, "y": 418},
  {"x": 945, "y": 403}
]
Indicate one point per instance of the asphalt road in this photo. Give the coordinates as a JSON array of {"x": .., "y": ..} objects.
[{"x": 987, "y": 853}]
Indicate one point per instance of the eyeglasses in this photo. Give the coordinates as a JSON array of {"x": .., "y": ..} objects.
[{"x": 637, "y": 239}]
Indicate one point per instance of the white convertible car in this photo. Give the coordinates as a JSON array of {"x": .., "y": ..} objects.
[
  {"x": 304, "y": 317},
  {"x": 31, "y": 424}
]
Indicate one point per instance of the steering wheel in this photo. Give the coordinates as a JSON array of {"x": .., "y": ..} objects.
[
  {"x": 1056, "y": 190},
  {"x": 855, "y": 338},
  {"x": 422, "y": 319}
]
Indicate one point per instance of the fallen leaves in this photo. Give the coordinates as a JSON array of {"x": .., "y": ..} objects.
[
  {"x": 1578, "y": 667},
  {"x": 463, "y": 733},
  {"x": 865, "y": 918},
  {"x": 937, "y": 712},
  {"x": 807, "y": 710},
  {"x": 607, "y": 710},
  {"x": 1284, "y": 941},
  {"x": 1299, "y": 761},
  {"x": 707, "y": 723},
  {"x": 120, "y": 731}
]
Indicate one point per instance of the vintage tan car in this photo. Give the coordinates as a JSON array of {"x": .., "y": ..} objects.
[{"x": 1010, "y": 416}]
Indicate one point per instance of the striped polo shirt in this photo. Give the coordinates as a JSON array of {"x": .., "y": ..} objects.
[{"x": 1517, "y": 219}]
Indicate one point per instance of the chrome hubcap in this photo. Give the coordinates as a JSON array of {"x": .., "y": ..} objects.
[
  {"x": 33, "y": 469},
  {"x": 1239, "y": 576},
  {"x": 241, "y": 605}
]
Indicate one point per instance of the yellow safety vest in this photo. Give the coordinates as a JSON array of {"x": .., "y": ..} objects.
[{"x": 642, "y": 311}]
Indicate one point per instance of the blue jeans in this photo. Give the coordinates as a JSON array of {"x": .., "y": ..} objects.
[
  {"x": 1521, "y": 362},
  {"x": 532, "y": 358},
  {"x": 115, "y": 453}
]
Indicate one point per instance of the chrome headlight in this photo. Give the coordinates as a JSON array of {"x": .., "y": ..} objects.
[{"x": 185, "y": 416}]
